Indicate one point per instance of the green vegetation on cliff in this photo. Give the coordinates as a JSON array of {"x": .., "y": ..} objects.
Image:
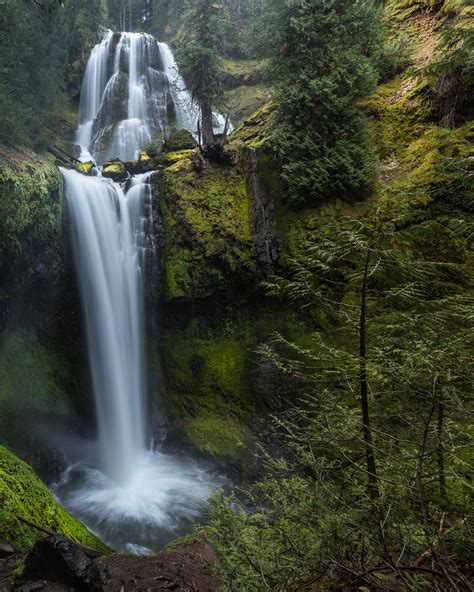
[
  {"x": 30, "y": 215},
  {"x": 32, "y": 379},
  {"x": 206, "y": 218},
  {"x": 206, "y": 371},
  {"x": 23, "y": 495},
  {"x": 373, "y": 488}
]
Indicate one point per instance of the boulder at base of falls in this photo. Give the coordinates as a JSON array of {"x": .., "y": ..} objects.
[
  {"x": 180, "y": 140},
  {"x": 115, "y": 170},
  {"x": 85, "y": 168},
  {"x": 58, "y": 560}
]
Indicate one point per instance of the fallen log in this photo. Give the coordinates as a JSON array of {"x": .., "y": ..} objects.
[
  {"x": 93, "y": 553},
  {"x": 63, "y": 156}
]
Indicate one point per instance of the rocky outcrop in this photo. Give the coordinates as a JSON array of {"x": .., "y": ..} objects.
[
  {"x": 180, "y": 140},
  {"x": 31, "y": 210},
  {"x": 205, "y": 215},
  {"x": 57, "y": 564},
  {"x": 115, "y": 170},
  {"x": 56, "y": 560}
]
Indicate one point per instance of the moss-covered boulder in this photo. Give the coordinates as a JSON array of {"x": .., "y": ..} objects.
[
  {"x": 180, "y": 140},
  {"x": 206, "y": 217},
  {"x": 115, "y": 170},
  {"x": 24, "y": 496},
  {"x": 85, "y": 168}
]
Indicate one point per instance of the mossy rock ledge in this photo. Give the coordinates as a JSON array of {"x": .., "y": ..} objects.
[
  {"x": 207, "y": 228},
  {"x": 180, "y": 140},
  {"x": 24, "y": 495}
]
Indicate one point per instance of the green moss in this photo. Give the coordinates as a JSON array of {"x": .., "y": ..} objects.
[
  {"x": 219, "y": 437},
  {"x": 143, "y": 157},
  {"x": 207, "y": 367},
  {"x": 171, "y": 158},
  {"x": 180, "y": 140},
  {"x": 399, "y": 114},
  {"x": 208, "y": 361},
  {"x": 435, "y": 145},
  {"x": 208, "y": 243},
  {"x": 115, "y": 170},
  {"x": 84, "y": 168},
  {"x": 30, "y": 204},
  {"x": 256, "y": 130},
  {"x": 244, "y": 71},
  {"x": 210, "y": 375},
  {"x": 22, "y": 494},
  {"x": 30, "y": 384}
]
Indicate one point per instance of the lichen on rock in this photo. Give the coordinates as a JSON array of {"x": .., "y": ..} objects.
[{"x": 85, "y": 168}]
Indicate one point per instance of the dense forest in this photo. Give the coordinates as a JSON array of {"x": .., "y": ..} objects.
[{"x": 251, "y": 285}]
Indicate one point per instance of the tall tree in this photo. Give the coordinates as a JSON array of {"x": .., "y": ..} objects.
[
  {"x": 198, "y": 56},
  {"x": 321, "y": 62}
]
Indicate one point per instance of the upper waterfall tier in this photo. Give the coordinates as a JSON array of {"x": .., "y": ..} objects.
[{"x": 132, "y": 92}]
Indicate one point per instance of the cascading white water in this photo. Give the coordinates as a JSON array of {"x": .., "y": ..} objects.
[
  {"x": 110, "y": 278},
  {"x": 94, "y": 85},
  {"x": 132, "y": 92},
  {"x": 135, "y": 499}
]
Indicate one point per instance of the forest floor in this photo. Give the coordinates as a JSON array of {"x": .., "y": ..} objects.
[{"x": 187, "y": 567}]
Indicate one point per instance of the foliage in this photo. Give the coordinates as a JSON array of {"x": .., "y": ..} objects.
[
  {"x": 321, "y": 62},
  {"x": 32, "y": 59},
  {"x": 316, "y": 516},
  {"x": 36, "y": 48},
  {"x": 199, "y": 60}
]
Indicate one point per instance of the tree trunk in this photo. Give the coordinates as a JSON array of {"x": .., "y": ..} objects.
[
  {"x": 207, "y": 129},
  {"x": 373, "y": 488},
  {"x": 439, "y": 448}
]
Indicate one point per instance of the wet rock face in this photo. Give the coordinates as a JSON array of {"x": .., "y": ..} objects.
[{"x": 61, "y": 561}]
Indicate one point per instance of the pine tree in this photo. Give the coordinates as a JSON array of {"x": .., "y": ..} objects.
[
  {"x": 199, "y": 59},
  {"x": 373, "y": 485},
  {"x": 321, "y": 62}
]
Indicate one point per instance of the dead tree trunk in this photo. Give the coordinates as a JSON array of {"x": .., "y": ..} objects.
[{"x": 207, "y": 128}]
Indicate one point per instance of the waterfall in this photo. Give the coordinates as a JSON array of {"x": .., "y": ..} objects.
[
  {"x": 132, "y": 92},
  {"x": 105, "y": 237},
  {"x": 136, "y": 499}
]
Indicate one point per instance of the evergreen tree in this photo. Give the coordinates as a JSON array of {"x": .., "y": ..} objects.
[
  {"x": 199, "y": 59},
  {"x": 373, "y": 485},
  {"x": 321, "y": 62},
  {"x": 33, "y": 58}
]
